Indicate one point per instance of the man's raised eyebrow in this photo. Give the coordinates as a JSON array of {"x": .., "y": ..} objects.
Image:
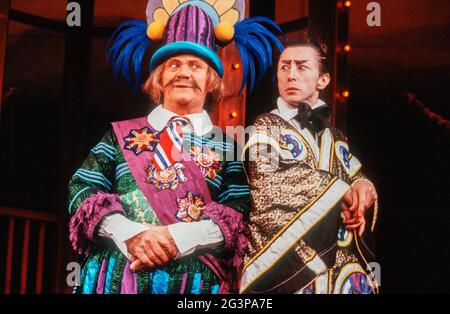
[
  {"x": 195, "y": 61},
  {"x": 296, "y": 61}
]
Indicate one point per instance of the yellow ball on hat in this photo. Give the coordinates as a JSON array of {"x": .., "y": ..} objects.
[
  {"x": 155, "y": 31},
  {"x": 224, "y": 32}
]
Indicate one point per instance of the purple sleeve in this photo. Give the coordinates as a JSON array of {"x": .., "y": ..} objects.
[
  {"x": 84, "y": 222},
  {"x": 233, "y": 227}
]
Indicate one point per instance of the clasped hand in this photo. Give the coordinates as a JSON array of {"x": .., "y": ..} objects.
[
  {"x": 152, "y": 248},
  {"x": 358, "y": 199}
]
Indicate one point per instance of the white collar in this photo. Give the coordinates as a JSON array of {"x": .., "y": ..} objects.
[
  {"x": 288, "y": 112},
  {"x": 159, "y": 117}
]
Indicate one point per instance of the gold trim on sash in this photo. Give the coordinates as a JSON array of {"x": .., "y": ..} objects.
[
  {"x": 326, "y": 151},
  {"x": 294, "y": 230}
]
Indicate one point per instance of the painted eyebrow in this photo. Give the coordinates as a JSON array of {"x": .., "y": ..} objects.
[
  {"x": 298, "y": 62},
  {"x": 191, "y": 61}
]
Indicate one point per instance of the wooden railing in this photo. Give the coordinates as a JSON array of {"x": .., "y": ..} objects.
[{"x": 29, "y": 217}]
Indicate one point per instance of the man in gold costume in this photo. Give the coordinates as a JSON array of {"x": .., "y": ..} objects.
[{"x": 314, "y": 211}]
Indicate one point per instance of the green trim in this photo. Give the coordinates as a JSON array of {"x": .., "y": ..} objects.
[
  {"x": 99, "y": 259},
  {"x": 143, "y": 282},
  {"x": 117, "y": 276}
]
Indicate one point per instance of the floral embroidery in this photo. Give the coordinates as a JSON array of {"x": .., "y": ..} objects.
[
  {"x": 190, "y": 207},
  {"x": 141, "y": 140},
  {"x": 168, "y": 178},
  {"x": 207, "y": 160}
]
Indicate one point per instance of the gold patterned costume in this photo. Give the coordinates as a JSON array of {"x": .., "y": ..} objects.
[{"x": 298, "y": 243}]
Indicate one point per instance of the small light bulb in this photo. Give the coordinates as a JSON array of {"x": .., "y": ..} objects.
[{"x": 233, "y": 114}]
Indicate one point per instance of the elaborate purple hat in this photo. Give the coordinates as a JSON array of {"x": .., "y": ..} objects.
[
  {"x": 197, "y": 27},
  {"x": 189, "y": 31}
]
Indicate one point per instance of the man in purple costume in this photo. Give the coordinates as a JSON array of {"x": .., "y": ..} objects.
[{"x": 158, "y": 207}]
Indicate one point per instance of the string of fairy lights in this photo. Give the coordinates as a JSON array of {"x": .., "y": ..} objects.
[{"x": 343, "y": 49}]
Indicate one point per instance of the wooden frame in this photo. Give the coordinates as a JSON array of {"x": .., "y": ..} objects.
[{"x": 4, "y": 17}]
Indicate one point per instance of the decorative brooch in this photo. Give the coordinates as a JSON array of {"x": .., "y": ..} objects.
[
  {"x": 291, "y": 143},
  {"x": 345, "y": 156},
  {"x": 190, "y": 207},
  {"x": 168, "y": 178},
  {"x": 141, "y": 140},
  {"x": 343, "y": 153},
  {"x": 207, "y": 160}
]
